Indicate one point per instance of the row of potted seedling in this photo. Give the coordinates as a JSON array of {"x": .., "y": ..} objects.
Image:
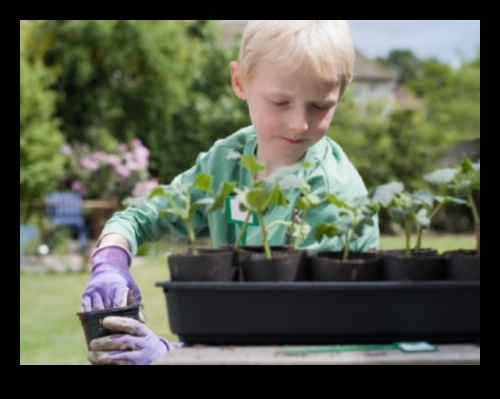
[{"x": 413, "y": 211}]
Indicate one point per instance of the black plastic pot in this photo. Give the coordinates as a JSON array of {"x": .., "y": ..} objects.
[
  {"x": 209, "y": 265},
  {"x": 285, "y": 265},
  {"x": 360, "y": 266},
  {"x": 92, "y": 321},
  {"x": 463, "y": 265},
  {"x": 422, "y": 252},
  {"x": 413, "y": 268}
]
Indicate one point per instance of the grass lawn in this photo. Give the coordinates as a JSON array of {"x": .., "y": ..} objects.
[{"x": 50, "y": 330}]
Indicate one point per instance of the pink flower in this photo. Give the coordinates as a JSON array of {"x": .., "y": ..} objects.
[
  {"x": 143, "y": 188},
  {"x": 123, "y": 171},
  {"x": 100, "y": 156},
  {"x": 90, "y": 163},
  {"x": 113, "y": 160},
  {"x": 136, "y": 143},
  {"x": 142, "y": 156}
]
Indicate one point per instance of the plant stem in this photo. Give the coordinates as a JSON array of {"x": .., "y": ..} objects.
[
  {"x": 420, "y": 230},
  {"x": 408, "y": 228},
  {"x": 289, "y": 234},
  {"x": 267, "y": 249},
  {"x": 242, "y": 231},
  {"x": 299, "y": 238},
  {"x": 191, "y": 237},
  {"x": 475, "y": 215},
  {"x": 345, "y": 254}
]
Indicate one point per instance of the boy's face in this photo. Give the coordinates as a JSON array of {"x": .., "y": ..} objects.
[{"x": 290, "y": 110}]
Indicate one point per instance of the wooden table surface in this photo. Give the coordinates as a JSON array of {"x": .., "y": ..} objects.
[{"x": 449, "y": 354}]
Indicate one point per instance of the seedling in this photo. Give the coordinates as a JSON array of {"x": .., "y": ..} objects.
[
  {"x": 405, "y": 208},
  {"x": 354, "y": 216},
  {"x": 181, "y": 203},
  {"x": 462, "y": 181}
]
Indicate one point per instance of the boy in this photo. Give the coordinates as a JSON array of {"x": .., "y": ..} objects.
[{"x": 292, "y": 75}]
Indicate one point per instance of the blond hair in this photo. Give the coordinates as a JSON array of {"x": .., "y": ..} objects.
[{"x": 324, "y": 46}]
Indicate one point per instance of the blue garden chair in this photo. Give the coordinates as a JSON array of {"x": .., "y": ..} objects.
[{"x": 64, "y": 209}]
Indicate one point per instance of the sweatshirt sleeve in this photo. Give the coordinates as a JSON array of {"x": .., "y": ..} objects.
[{"x": 142, "y": 223}]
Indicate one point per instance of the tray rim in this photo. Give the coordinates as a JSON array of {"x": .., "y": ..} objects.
[{"x": 313, "y": 285}]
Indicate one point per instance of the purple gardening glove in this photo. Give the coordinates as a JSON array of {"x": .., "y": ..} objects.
[
  {"x": 110, "y": 285},
  {"x": 138, "y": 346}
]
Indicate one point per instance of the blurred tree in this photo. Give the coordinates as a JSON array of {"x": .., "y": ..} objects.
[
  {"x": 452, "y": 98},
  {"x": 452, "y": 95},
  {"x": 40, "y": 138},
  {"x": 117, "y": 80},
  {"x": 404, "y": 62}
]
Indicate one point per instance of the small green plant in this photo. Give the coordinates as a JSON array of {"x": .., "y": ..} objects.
[
  {"x": 405, "y": 208},
  {"x": 257, "y": 198},
  {"x": 354, "y": 216},
  {"x": 288, "y": 178},
  {"x": 411, "y": 211},
  {"x": 433, "y": 204},
  {"x": 260, "y": 195},
  {"x": 462, "y": 181},
  {"x": 180, "y": 201}
]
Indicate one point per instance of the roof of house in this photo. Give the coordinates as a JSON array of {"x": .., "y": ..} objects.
[{"x": 365, "y": 69}]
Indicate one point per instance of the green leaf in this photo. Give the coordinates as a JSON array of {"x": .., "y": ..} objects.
[
  {"x": 250, "y": 162},
  {"x": 197, "y": 204},
  {"x": 423, "y": 219},
  {"x": 203, "y": 182},
  {"x": 424, "y": 197},
  {"x": 466, "y": 165},
  {"x": 336, "y": 201},
  {"x": 324, "y": 229},
  {"x": 158, "y": 191},
  {"x": 385, "y": 193},
  {"x": 441, "y": 176},
  {"x": 277, "y": 197},
  {"x": 306, "y": 164},
  {"x": 453, "y": 200},
  {"x": 226, "y": 189},
  {"x": 361, "y": 225},
  {"x": 256, "y": 199},
  {"x": 168, "y": 211}
]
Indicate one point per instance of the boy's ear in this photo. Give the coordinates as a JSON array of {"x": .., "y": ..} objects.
[{"x": 236, "y": 82}]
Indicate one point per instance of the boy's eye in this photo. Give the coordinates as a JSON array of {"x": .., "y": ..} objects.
[
  {"x": 280, "y": 103},
  {"x": 321, "y": 107}
]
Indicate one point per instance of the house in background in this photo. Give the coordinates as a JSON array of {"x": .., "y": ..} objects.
[{"x": 373, "y": 82}]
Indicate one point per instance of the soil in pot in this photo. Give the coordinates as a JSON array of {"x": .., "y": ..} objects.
[
  {"x": 463, "y": 265},
  {"x": 209, "y": 265},
  {"x": 285, "y": 265},
  {"x": 397, "y": 267},
  {"x": 360, "y": 266},
  {"x": 422, "y": 252},
  {"x": 92, "y": 321}
]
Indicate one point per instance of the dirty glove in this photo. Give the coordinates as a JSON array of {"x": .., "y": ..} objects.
[
  {"x": 138, "y": 346},
  {"x": 110, "y": 285}
]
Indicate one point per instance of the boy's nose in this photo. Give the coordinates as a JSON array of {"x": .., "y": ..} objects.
[{"x": 298, "y": 123}]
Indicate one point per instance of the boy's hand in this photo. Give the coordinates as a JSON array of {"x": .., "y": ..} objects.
[
  {"x": 110, "y": 282},
  {"x": 137, "y": 346}
]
